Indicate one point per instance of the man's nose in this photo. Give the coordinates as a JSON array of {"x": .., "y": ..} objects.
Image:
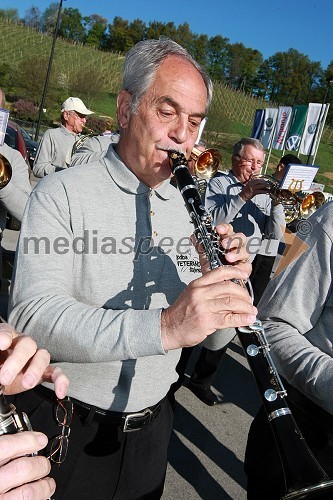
[{"x": 179, "y": 131}]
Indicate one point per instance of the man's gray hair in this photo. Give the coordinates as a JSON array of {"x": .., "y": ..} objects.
[
  {"x": 144, "y": 59},
  {"x": 247, "y": 141}
]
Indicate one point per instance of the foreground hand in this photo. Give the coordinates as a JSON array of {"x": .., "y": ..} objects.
[
  {"x": 24, "y": 365},
  {"x": 207, "y": 304},
  {"x": 16, "y": 468}
]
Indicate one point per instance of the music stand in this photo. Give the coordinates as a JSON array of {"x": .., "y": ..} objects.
[{"x": 298, "y": 177}]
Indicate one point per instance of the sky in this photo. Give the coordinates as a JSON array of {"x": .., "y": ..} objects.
[{"x": 266, "y": 25}]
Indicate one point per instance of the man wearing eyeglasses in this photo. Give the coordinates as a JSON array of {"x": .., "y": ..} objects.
[
  {"x": 241, "y": 200},
  {"x": 55, "y": 148}
]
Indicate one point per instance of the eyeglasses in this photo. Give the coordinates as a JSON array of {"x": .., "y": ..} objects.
[
  {"x": 59, "y": 445},
  {"x": 77, "y": 115},
  {"x": 251, "y": 160}
]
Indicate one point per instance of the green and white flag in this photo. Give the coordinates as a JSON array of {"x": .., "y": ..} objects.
[
  {"x": 296, "y": 128},
  {"x": 311, "y": 124}
]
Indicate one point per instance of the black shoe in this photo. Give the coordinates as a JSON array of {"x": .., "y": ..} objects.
[{"x": 206, "y": 395}]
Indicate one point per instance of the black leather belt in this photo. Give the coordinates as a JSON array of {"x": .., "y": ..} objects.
[{"x": 128, "y": 422}]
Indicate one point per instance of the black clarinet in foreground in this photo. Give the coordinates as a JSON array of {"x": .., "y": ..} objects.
[
  {"x": 304, "y": 477},
  {"x": 11, "y": 422}
]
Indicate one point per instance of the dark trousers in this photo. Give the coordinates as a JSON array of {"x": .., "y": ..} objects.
[
  {"x": 207, "y": 367},
  {"x": 262, "y": 461},
  {"x": 262, "y": 266},
  {"x": 103, "y": 462}
]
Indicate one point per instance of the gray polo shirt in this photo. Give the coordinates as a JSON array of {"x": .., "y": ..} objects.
[
  {"x": 256, "y": 218},
  {"x": 88, "y": 286},
  {"x": 54, "y": 151}
]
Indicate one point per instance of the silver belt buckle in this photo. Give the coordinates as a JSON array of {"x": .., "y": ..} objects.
[{"x": 128, "y": 418}]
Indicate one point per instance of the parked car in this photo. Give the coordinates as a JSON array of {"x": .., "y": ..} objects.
[
  {"x": 15, "y": 140},
  {"x": 31, "y": 146}
]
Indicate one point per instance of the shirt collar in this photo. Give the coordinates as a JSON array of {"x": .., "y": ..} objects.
[
  {"x": 68, "y": 132},
  {"x": 128, "y": 181}
]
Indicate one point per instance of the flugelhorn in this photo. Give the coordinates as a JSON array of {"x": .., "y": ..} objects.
[
  {"x": 206, "y": 164},
  {"x": 288, "y": 199},
  {"x": 5, "y": 171}
]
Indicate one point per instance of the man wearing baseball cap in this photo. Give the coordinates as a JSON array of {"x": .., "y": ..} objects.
[{"x": 55, "y": 148}]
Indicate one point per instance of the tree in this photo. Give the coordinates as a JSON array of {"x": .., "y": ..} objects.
[
  {"x": 137, "y": 29},
  {"x": 290, "y": 77},
  {"x": 49, "y": 18},
  {"x": 33, "y": 17},
  {"x": 217, "y": 57},
  {"x": 10, "y": 14},
  {"x": 95, "y": 27},
  {"x": 119, "y": 39},
  {"x": 199, "y": 49},
  {"x": 71, "y": 26},
  {"x": 242, "y": 66}
]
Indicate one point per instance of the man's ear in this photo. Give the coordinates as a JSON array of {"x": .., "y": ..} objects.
[{"x": 123, "y": 108}]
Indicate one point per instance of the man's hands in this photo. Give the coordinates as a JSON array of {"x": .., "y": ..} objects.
[
  {"x": 254, "y": 187},
  {"x": 24, "y": 475},
  {"x": 212, "y": 301},
  {"x": 24, "y": 365}
]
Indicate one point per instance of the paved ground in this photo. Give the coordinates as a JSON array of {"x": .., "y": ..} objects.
[{"x": 208, "y": 443}]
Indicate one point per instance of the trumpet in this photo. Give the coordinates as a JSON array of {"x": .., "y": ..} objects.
[
  {"x": 5, "y": 171},
  {"x": 206, "y": 164}
]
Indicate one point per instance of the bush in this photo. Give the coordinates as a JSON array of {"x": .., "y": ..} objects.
[
  {"x": 25, "y": 110},
  {"x": 98, "y": 125}
]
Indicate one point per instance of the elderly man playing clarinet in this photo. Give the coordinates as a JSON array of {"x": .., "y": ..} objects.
[{"x": 117, "y": 291}]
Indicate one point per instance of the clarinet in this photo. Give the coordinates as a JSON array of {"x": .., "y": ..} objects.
[
  {"x": 11, "y": 422},
  {"x": 304, "y": 477}
]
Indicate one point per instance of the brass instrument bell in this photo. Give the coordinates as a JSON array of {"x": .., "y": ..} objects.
[
  {"x": 310, "y": 204},
  {"x": 206, "y": 163},
  {"x": 5, "y": 171}
]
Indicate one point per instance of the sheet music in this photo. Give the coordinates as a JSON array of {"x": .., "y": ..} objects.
[
  {"x": 298, "y": 177},
  {"x": 4, "y": 115}
]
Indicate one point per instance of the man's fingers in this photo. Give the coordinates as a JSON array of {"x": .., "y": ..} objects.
[
  {"x": 55, "y": 374},
  {"x": 7, "y": 334},
  {"x": 23, "y": 470},
  {"x": 38, "y": 490},
  {"x": 22, "y": 443},
  {"x": 24, "y": 351},
  {"x": 222, "y": 273}
]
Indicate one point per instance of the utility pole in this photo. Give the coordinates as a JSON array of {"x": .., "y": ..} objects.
[{"x": 42, "y": 103}]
